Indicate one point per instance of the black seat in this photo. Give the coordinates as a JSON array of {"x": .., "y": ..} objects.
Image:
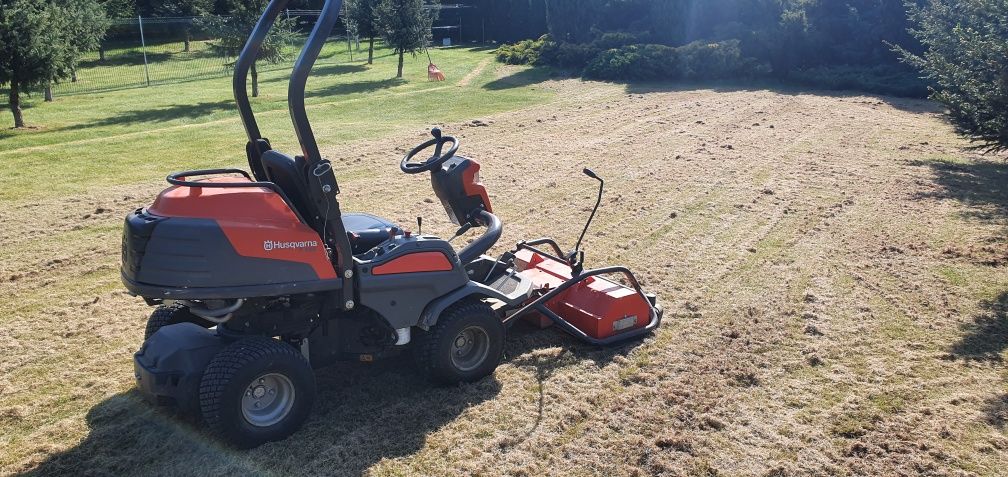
[
  {"x": 366, "y": 230},
  {"x": 289, "y": 174}
]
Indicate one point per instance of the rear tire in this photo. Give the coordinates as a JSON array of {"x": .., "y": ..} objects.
[
  {"x": 165, "y": 315},
  {"x": 256, "y": 390},
  {"x": 465, "y": 345}
]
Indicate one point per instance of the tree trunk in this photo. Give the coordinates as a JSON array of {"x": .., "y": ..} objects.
[
  {"x": 400, "y": 65},
  {"x": 73, "y": 74},
  {"x": 370, "y": 50},
  {"x": 188, "y": 38},
  {"x": 47, "y": 95},
  {"x": 255, "y": 81},
  {"x": 15, "y": 105},
  {"x": 101, "y": 51}
]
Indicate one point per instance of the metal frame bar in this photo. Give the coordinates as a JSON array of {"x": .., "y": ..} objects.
[
  {"x": 299, "y": 78},
  {"x": 249, "y": 55}
]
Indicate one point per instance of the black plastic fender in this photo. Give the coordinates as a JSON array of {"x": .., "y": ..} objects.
[
  {"x": 433, "y": 309},
  {"x": 170, "y": 364}
]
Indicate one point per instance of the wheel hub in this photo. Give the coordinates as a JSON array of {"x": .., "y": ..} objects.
[
  {"x": 470, "y": 348},
  {"x": 267, "y": 400}
]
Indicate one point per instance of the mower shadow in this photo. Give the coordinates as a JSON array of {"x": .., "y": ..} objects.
[{"x": 363, "y": 414}]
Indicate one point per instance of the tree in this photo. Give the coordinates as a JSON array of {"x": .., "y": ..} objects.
[
  {"x": 115, "y": 9},
  {"x": 41, "y": 41},
  {"x": 405, "y": 25},
  {"x": 182, "y": 8},
  {"x": 573, "y": 20},
  {"x": 233, "y": 31},
  {"x": 363, "y": 16},
  {"x": 966, "y": 54}
]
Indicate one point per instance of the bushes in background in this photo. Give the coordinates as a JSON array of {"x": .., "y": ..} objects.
[
  {"x": 829, "y": 44},
  {"x": 635, "y": 62},
  {"x": 625, "y": 60},
  {"x": 525, "y": 52}
]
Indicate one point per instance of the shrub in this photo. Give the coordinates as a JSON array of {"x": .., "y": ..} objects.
[
  {"x": 568, "y": 55},
  {"x": 704, "y": 60},
  {"x": 609, "y": 40},
  {"x": 635, "y": 62},
  {"x": 655, "y": 62},
  {"x": 525, "y": 52}
]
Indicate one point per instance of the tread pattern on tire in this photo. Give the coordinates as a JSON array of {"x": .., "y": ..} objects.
[
  {"x": 427, "y": 349},
  {"x": 225, "y": 365},
  {"x": 163, "y": 315}
]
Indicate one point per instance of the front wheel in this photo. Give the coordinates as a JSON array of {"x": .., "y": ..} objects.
[
  {"x": 165, "y": 315},
  {"x": 466, "y": 344},
  {"x": 256, "y": 390}
]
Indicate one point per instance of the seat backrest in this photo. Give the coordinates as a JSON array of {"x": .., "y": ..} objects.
[{"x": 289, "y": 174}]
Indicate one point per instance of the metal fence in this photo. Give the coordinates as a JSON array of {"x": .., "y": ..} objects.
[{"x": 145, "y": 51}]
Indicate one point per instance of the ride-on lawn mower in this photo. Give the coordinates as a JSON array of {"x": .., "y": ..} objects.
[{"x": 259, "y": 277}]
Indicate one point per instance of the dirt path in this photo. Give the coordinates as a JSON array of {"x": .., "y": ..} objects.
[
  {"x": 474, "y": 73},
  {"x": 832, "y": 266}
]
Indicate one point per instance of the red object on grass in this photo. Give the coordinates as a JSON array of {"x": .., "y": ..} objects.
[{"x": 434, "y": 74}]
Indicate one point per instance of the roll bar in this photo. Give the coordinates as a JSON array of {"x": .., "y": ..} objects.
[
  {"x": 257, "y": 145},
  {"x": 299, "y": 77}
]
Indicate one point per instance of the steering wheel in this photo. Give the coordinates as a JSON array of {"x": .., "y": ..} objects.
[{"x": 435, "y": 160}]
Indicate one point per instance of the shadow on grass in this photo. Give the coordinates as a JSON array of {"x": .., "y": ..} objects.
[
  {"x": 321, "y": 70},
  {"x": 167, "y": 113},
  {"x": 363, "y": 413},
  {"x": 522, "y": 78},
  {"x": 356, "y": 87},
  {"x": 987, "y": 336},
  {"x": 132, "y": 58},
  {"x": 912, "y": 105},
  {"x": 996, "y": 411},
  {"x": 979, "y": 185}
]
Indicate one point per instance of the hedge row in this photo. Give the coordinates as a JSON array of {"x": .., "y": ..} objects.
[{"x": 618, "y": 57}]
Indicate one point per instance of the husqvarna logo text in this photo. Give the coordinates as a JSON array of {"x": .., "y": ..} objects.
[{"x": 274, "y": 245}]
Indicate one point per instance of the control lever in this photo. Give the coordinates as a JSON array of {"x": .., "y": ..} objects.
[
  {"x": 576, "y": 256},
  {"x": 463, "y": 229},
  {"x": 419, "y": 225}
]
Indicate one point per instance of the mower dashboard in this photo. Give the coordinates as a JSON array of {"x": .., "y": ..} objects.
[{"x": 457, "y": 184}]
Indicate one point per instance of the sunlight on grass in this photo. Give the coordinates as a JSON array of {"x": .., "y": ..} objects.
[{"x": 147, "y": 132}]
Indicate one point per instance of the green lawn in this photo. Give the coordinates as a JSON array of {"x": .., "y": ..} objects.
[
  {"x": 125, "y": 136},
  {"x": 168, "y": 62}
]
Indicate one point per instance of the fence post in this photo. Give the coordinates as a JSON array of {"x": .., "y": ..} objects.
[{"x": 143, "y": 47}]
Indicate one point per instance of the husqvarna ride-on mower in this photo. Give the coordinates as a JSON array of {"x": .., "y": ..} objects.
[{"x": 259, "y": 277}]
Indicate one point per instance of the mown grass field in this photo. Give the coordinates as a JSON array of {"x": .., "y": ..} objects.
[{"x": 833, "y": 268}]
